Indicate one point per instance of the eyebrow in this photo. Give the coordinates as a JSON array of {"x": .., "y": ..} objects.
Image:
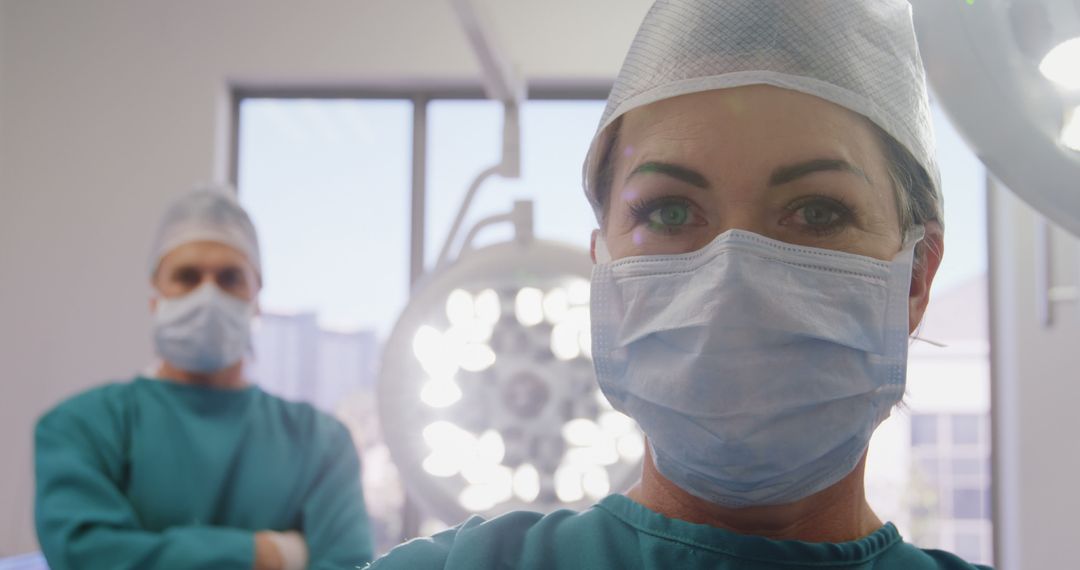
[
  {"x": 675, "y": 171},
  {"x": 194, "y": 266},
  {"x": 786, "y": 174},
  {"x": 780, "y": 176},
  {"x": 187, "y": 267}
]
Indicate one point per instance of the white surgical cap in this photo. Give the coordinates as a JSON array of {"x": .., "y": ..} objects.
[
  {"x": 210, "y": 214},
  {"x": 859, "y": 54}
]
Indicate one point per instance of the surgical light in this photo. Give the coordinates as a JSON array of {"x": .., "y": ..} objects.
[
  {"x": 487, "y": 396},
  {"x": 1007, "y": 74},
  {"x": 1070, "y": 134},
  {"x": 440, "y": 393},
  {"x": 1062, "y": 64},
  {"x": 527, "y": 483},
  {"x": 529, "y": 306}
]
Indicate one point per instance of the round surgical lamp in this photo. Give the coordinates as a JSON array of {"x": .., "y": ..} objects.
[
  {"x": 1008, "y": 75},
  {"x": 487, "y": 396}
]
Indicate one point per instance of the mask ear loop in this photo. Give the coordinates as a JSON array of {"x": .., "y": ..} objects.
[
  {"x": 601, "y": 250},
  {"x": 912, "y": 239},
  {"x": 933, "y": 343},
  {"x": 914, "y": 236}
]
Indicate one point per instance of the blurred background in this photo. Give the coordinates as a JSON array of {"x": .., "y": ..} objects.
[{"x": 353, "y": 132}]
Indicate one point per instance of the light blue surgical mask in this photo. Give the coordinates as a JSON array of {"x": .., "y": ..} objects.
[
  {"x": 204, "y": 331},
  {"x": 757, "y": 369}
]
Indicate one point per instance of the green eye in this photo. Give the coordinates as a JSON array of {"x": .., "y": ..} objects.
[
  {"x": 819, "y": 215},
  {"x": 670, "y": 215}
]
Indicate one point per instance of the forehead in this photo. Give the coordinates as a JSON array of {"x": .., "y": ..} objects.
[
  {"x": 205, "y": 254},
  {"x": 753, "y": 125}
]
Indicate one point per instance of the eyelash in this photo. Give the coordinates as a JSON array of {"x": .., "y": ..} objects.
[
  {"x": 641, "y": 210},
  {"x": 187, "y": 276},
  {"x": 845, "y": 212}
]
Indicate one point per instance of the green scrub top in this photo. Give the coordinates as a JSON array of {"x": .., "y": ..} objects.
[
  {"x": 153, "y": 474},
  {"x": 619, "y": 534}
]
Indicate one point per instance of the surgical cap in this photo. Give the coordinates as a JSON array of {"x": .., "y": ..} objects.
[
  {"x": 859, "y": 54},
  {"x": 210, "y": 214}
]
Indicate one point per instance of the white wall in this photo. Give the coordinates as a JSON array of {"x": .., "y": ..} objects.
[
  {"x": 109, "y": 108},
  {"x": 1036, "y": 372}
]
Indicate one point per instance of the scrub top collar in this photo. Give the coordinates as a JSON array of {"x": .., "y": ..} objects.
[
  {"x": 749, "y": 547},
  {"x": 201, "y": 398}
]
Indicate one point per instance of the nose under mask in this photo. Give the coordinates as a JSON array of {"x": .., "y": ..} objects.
[
  {"x": 758, "y": 369},
  {"x": 204, "y": 331}
]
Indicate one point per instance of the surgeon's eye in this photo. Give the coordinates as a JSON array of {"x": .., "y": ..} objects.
[
  {"x": 664, "y": 215},
  {"x": 819, "y": 215},
  {"x": 187, "y": 276},
  {"x": 230, "y": 278}
]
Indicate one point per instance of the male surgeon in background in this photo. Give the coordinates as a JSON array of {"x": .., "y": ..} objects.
[{"x": 192, "y": 466}]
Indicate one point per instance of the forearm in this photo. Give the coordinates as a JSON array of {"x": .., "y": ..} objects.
[
  {"x": 280, "y": 551},
  {"x": 341, "y": 540},
  {"x": 93, "y": 547},
  {"x": 335, "y": 520}
]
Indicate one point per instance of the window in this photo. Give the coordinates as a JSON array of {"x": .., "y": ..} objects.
[
  {"x": 327, "y": 183},
  {"x": 465, "y": 138},
  {"x": 965, "y": 429},
  {"x": 967, "y": 503},
  {"x": 923, "y": 430},
  {"x": 970, "y": 467},
  {"x": 969, "y": 546},
  {"x": 949, "y": 490}
]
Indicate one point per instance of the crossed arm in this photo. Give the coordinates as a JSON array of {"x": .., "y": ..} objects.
[{"x": 84, "y": 520}]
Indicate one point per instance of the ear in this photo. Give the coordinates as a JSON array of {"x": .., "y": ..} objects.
[
  {"x": 927, "y": 260},
  {"x": 154, "y": 295},
  {"x": 592, "y": 245}
]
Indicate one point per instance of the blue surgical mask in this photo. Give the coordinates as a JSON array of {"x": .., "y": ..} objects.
[
  {"x": 757, "y": 369},
  {"x": 204, "y": 331}
]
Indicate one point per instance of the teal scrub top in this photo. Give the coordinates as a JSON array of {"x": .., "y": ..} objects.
[
  {"x": 619, "y": 534},
  {"x": 153, "y": 474}
]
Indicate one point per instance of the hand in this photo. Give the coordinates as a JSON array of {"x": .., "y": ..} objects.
[
  {"x": 267, "y": 555},
  {"x": 280, "y": 551}
]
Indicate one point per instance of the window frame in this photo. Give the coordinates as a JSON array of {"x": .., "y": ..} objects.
[{"x": 420, "y": 94}]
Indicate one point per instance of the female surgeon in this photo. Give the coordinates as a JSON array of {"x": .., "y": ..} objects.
[
  {"x": 770, "y": 226},
  {"x": 191, "y": 466}
]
